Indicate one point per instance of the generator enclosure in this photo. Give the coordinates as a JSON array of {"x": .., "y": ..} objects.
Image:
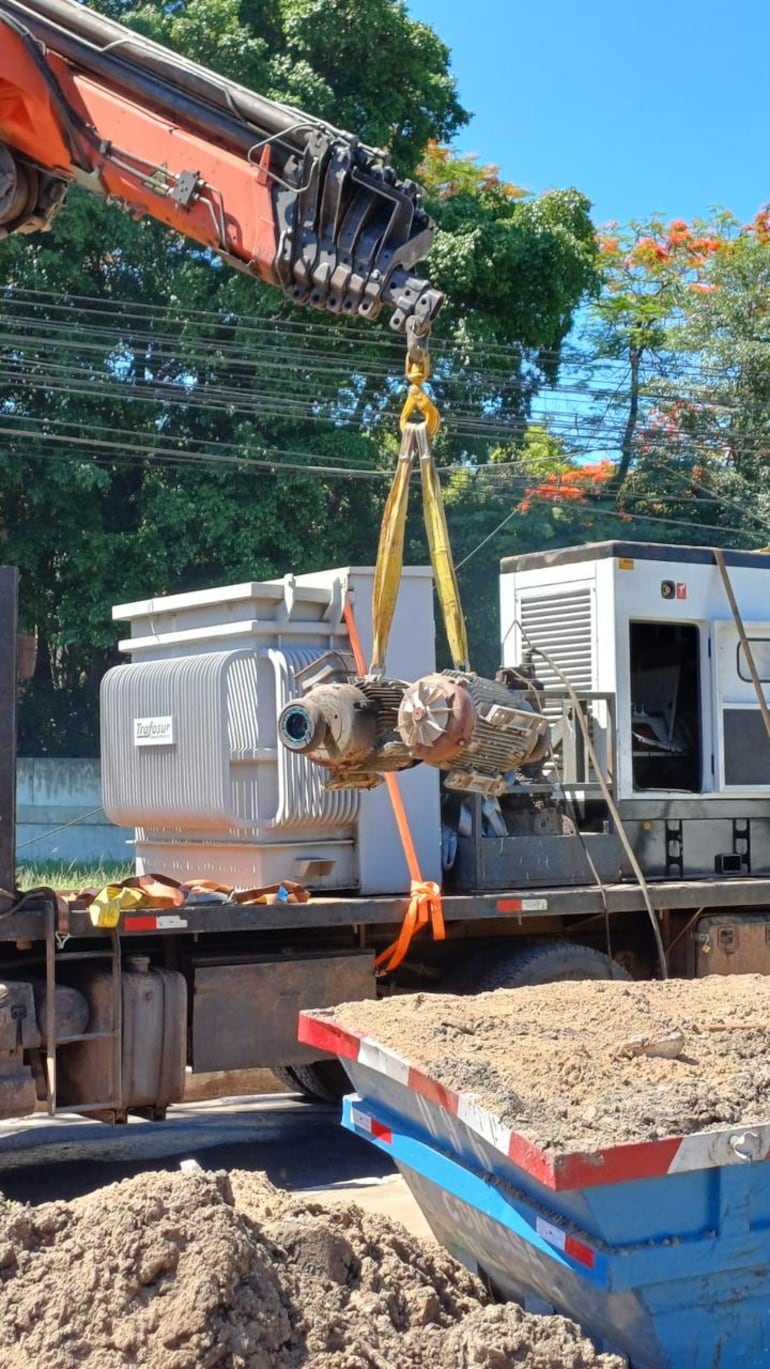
[
  {"x": 190, "y": 753},
  {"x": 678, "y": 727}
]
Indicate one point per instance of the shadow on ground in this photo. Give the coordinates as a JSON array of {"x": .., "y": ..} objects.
[{"x": 298, "y": 1145}]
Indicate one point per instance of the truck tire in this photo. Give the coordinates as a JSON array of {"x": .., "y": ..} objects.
[
  {"x": 540, "y": 962},
  {"x": 287, "y": 1077},
  {"x": 324, "y": 1081}
]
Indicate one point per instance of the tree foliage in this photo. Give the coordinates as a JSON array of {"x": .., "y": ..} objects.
[
  {"x": 367, "y": 67},
  {"x": 512, "y": 265},
  {"x": 158, "y": 411},
  {"x": 684, "y": 311}
]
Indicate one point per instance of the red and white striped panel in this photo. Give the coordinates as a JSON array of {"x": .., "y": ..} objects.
[
  {"x": 617, "y": 1164},
  {"x": 152, "y": 922},
  {"x": 363, "y": 1121},
  {"x": 563, "y": 1240}
]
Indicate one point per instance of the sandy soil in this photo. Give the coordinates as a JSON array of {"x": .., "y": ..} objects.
[
  {"x": 584, "y": 1066},
  {"x": 192, "y": 1270}
]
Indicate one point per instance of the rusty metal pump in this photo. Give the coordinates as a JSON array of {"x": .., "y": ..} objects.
[{"x": 476, "y": 729}]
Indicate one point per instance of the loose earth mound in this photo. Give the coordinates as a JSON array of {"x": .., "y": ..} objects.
[{"x": 188, "y": 1271}]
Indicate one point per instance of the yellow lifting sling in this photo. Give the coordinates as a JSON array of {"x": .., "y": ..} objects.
[{"x": 419, "y": 423}]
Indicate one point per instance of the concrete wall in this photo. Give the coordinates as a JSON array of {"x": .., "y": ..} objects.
[{"x": 50, "y": 793}]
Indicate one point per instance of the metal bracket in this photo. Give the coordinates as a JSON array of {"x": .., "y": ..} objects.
[
  {"x": 334, "y": 609},
  {"x": 289, "y": 597},
  {"x": 674, "y": 846},
  {"x": 186, "y": 188},
  {"x": 742, "y": 842}
]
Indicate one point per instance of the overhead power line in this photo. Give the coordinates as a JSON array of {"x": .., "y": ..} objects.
[
  {"x": 597, "y": 504},
  {"x": 141, "y": 317},
  {"x": 274, "y": 466},
  {"x": 576, "y": 510}
]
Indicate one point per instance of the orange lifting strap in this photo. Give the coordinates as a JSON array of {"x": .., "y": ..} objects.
[{"x": 425, "y": 906}]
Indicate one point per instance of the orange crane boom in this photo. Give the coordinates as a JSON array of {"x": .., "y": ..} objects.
[{"x": 273, "y": 191}]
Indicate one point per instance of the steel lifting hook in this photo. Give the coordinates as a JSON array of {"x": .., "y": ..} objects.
[{"x": 417, "y": 371}]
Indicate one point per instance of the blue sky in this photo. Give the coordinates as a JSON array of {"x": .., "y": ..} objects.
[{"x": 646, "y": 108}]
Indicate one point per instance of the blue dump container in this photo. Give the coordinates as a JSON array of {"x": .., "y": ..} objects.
[{"x": 660, "y": 1250}]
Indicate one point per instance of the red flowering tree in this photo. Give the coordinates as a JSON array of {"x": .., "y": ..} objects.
[
  {"x": 650, "y": 272},
  {"x": 572, "y": 484},
  {"x": 683, "y": 327}
]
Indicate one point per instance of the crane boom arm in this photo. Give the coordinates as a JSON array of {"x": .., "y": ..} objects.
[{"x": 275, "y": 192}]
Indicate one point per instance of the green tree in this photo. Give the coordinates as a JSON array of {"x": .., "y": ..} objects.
[
  {"x": 531, "y": 495},
  {"x": 682, "y": 323},
  {"x": 514, "y": 268},
  {"x": 213, "y": 391},
  {"x": 722, "y": 417},
  {"x": 366, "y": 67}
]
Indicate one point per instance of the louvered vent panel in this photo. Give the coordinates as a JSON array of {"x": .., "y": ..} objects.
[{"x": 561, "y": 625}]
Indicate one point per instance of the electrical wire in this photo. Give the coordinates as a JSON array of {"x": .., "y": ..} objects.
[
  {"x": 329, "y": 404},
  {"x": 322, "y": 329},
  {"x": 186, "y": 387},
  {"x": 343, "y": 331},
  {"x": 604, "y": 785},
  {"x": 189, "y": 355},
  {"x": 459, "y": 352},
  {"x": 272, "y": 466},
  {"x": 578, "y": 510}
]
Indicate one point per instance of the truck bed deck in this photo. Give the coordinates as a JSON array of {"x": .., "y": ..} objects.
[{"x": 355, "y": 910}]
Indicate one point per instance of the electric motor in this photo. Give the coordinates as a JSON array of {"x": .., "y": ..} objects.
[
  {"x": 349, "y": 728},
  {"x": 476, "y": 729}
]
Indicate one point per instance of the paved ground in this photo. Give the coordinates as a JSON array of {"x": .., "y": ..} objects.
[{"x": 299, "y": 1145}]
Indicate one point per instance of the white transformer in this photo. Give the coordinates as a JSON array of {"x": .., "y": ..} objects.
[{"x": 189, "y": 746}]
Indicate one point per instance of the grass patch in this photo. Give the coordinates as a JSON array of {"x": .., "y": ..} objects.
[{"x": 56, "y": 874}]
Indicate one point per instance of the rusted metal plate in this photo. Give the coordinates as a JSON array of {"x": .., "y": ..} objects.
[
  {"x": 17, "y": 1090},
  {"x": 732, "y": 943},
  {"x": 245, "y": 1016}
]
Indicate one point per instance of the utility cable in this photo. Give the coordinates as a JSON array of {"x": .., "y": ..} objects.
[{"x": 747, "y": 651}]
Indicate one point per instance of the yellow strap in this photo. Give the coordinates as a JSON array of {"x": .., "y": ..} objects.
[
  {"x": 390, "y": 553},
  {"x": 111, "y": 901},
  {"x": 442, "y": 561}
]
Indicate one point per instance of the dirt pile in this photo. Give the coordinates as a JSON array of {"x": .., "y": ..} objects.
[
  {"x": 188, "y": 1271},
  {"x": 584, "y": 1066}
]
